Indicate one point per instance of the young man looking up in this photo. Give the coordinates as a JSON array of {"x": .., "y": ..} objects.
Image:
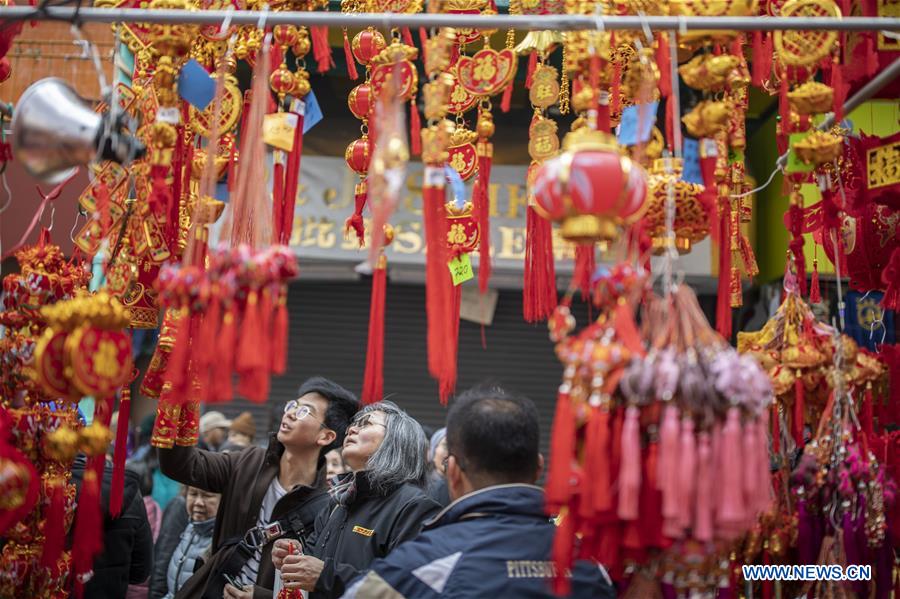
[
  {"x": 283, "y": 484},
  {"x": 494, "y": 539}
]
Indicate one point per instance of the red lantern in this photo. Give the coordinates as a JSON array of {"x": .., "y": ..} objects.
[
  {"x": 357, "y": 155},
  {"x": 590, "y": 189},
  {"x": 367, "y": 44},
  {"x": 360, "y": 101},
  {"x": 285, "y": 35}
]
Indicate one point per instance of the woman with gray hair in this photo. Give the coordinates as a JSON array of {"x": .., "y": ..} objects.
[{"x": 374, "y": 508}]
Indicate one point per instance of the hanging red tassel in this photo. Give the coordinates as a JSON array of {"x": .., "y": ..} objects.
[
  {"x": 249, "y": 348},
  {"x": 321, "y": 49},
  {"x": 355, "y": 221},
  {"x": 757, "y": 73},
  {"x": 731, "y": 511},
  {"x": 88, "y": 537},
  {"x": 562, "y": 445},
  {"x": 539, "y": 279},
  {"x": 121, "y": 452},
  {"x": 278, "y": 192},
  {"x": 348, "y": 57},
  {"x": 207, "y": 354},
  {"x": 280, "y": 335},
  {"x": 54, "y": 523},
  {"x": 415, "y": 127},
  {"x": 482, "y": 209},
  {"x": 723, "y": 292},
  {"x": 776, "y": 429},
  {"x": 600, "y": 475},
  {"x": 798, "y": 416},
  {"x": 407, "y": 37},
  {"x": 436, "y": 272},
  {"x": 227, "y": 340},
  {"x": 373, "y": 381},
  {"x": 532, "y": 66},
  {"x": 815, "y": 294},
  {"x": 749, "y": 473},
  {"x": 584, "y": 269},
  {"x": 506, "y": 99},
  {"x": 703, "y": 515},
  {"x": 630, "y": 468},
  {"x": 177, "y": 365},
  {"x": 291, "y": 183},
  {"x": 840, "y": 90},
  {"x": 447, "y": 377},
  {"x": 664, "y": 64},
  {"x": 890, "y": 276},
  {"x": 670, "y": 124},
  {"x": 784, "y": 108},
  {"x": 563, "y": 553},
  {"x": 615, "y": 103},
  {"x": 423, "y": 38}
]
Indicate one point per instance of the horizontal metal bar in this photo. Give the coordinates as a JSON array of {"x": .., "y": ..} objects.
[{"x": 521, "y": 22}]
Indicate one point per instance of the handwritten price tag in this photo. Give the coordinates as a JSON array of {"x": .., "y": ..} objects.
[
  {"x": 461, "y": 269},
  {"x": 278, "y": 130}
]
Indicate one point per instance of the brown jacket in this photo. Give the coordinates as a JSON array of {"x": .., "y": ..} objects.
[{"x": 242, "y": 478}]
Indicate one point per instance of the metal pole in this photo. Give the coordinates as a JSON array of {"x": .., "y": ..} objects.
[{"x": 389, "y": 20}]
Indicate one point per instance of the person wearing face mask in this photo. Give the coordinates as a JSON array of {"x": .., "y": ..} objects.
[
  {"x": 195, "y": 539},
  {"x": 376, "y": 506}
]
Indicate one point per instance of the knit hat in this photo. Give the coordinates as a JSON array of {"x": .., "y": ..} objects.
[
  {"x": 213, "y": 420},
  {"x": 436, "y": 438},
  {"x": 244, "y": 424}
]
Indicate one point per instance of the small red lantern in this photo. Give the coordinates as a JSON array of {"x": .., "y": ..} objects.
[
  {"x": 285, "y": 35},
  {"x": 360, "y": 101},
  {"x": 591, "y": 189},
  {"x": 282, "y": 82},
  {"x": 357, "y": 155},
  {"x": 367, "y": 44}
]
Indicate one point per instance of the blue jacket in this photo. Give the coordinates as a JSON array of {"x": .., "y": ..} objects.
[{"x": 493, "y": 543}]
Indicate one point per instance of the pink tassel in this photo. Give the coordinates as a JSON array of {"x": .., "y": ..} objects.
[
  {"x": 750, "y": 470},
  {"x": 630, "y": 468},
  {"x": 731, "y": 511},
  {"x": 764, "y": 491},
  {"x": 687, "y": 471},
  {"x": 667, "y": 475},
  {"x": 703, "y": 518}
]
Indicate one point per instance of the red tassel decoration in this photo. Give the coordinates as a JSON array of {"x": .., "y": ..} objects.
[
  {"x": 447, "y": 378},
  {"x": 539, "y": 279},
  {"x": 118, "y": 477},
  {"x": 482, "y": 211},
  {"x": 667, "y": 472},
  {"x": 55, "y": 523},
  {"x": 207, "y": 354},
  {"x": 292, "y": 178},
  {"x": 757, "y": 73},
  {"x": 840, "y": 90},
  {"x": 664, "y": 64},
  {"x": 815, "y": 294},
  {"x": 407, "y": 37},
  {"x": 562, "y": 442},
  {"x": 703, "y": 516},
  {"x": 436, "y": 273},
  {"x": 784, "y": 108},
  {"x": 177, "y": 366},
  {"x": 615, "y": 103},
  {"x": 102, "y": 195},
  {"x": 373, "y": 381},
  {"x": 278, "y": 192},
  {"x": 890, "y": 276},
  {"x": 798, "y": 414},
  {"x": 723, "y": 297},
  {"x": 227, "y": 339},
  {"x": 348, "y": 57},
  {"x": 563, "y": 553},
  {"x": 423, "y": 38},
  {"x": 600, "y": 476},
  {"x": 731, "y": 511},
  {"x": 630, "y": 468},
  {"x": 355, "y": 221},
  {"x": 532, "y": 66},
  {"x": 280, "y": 336},
  {"x": 776, "y": 429},
  {"x": 506, "y": 99},
  {"x": 88, "y": 537},
  {"x": 415, "y": 128},
  {"x": 584, "y": 269},
  {"x": 687, "y": 472},
  {"x": 321, "y": 49},
  {"x": 670, "y": 124}
]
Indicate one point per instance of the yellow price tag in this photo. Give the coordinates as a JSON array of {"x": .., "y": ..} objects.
[
  {"x": 461, "y": 269},
  {"x": 278, "y": 130}
]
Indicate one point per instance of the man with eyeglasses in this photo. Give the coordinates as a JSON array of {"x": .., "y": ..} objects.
[
  {"x": 267, "y": 493},
  {"x": 494, "y": 540}
]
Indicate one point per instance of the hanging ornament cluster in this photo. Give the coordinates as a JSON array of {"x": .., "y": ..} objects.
[{"x": 229, "y": 319}]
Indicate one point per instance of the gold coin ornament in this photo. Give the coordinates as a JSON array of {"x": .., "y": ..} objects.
[{"x": 805, "y": 48}]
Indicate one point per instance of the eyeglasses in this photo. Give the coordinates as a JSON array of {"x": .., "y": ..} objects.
[
  {"x": 364, "y": 421},
  {"x": 300, "y": 411},
  {"x": 446, "y": 461}
]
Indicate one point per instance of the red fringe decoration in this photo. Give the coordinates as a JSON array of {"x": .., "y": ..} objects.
[
  {"x": 207, "y": 354},
  {"x": 798, "y": 414},
  {"x": 321, "y": 49},
  {"x": 667, "y": 473},
  {"x": 890, "y": 276},
  {"x": 423, "y": 37},
  {"x": 482, "y": 209},
  {"x": 532, "y": 65},
  {"x": 348, "y": 57},
  {"x": 278, "y": 194},
  {"x": 615, "y": 102},
  {"x": 415, "y": 129},
  {"x": 55, "y": 523},
  {"x": 840, "y": 91},
  {"x": 436, "y": 272},
  {"x": 286, "y": 226},
  {"x": 784, "y": 108},
  {"x": 355, "y": 221},
  {"x": 251, "y": 344},
  {"x": 815, "y": 294},
  {"x": 795, "y": 220},
  {"x": 88, "y": 539},
  {"x": 584, "y": 269},
  {"x": 776, "y": 430},
  {"x": 539, "y": 284},
  {"x": 670, "y": 124},
  {"x": 563, "y": 553},
  {"x": 447, "y": 378},
  {"x": 118, "y": 477},
  {"x": 562, "y": 442},
  {"x": 177, "y": 366},
  {"x": 630, "y": 467},
  {"x": 373, "y": 381},
  {"x": 723, "y": 300},
  {"x": 280, "y": 335},
  {"x": 407, "y": 37},
  {"x": 762, "y": 59},
  {"x": 731, "y": 511},
  {"x": 664, "y": 64},
  {"x": 102, "y": 195},
  {"x": 600, "y": 473},
  {"x": 222, "y": 388},
  {"x": 506, "y": 100}
]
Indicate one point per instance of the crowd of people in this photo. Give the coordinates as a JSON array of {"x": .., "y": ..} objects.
[{"x": 342, "y": 500}]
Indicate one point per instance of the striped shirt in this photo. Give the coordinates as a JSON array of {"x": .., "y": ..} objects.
[{"x": 273, "y": 494}]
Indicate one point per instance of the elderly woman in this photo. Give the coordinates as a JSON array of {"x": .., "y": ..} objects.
[{"x": 376, "y": 506}]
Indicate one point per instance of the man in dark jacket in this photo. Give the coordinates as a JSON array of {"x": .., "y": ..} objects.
[
  {"x": 127, "y": 556},
  {"x": 262, "y": 489},
  {"x": 495, "y": 539}
]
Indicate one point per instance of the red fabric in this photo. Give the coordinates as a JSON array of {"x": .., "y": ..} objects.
[
  {"x": 562, "y": 452},
  {"x": 584, "y": 269},
  {"x": 890, "y": 277},
  {"x": 415, "y": 129},
  {"x": 373, "y": 380},
  {"x": 506, "y": 100},
  {"x": 436, "y": 273},
  {"x": 840, "y": 91},
  {"x": 321, "y": 48},
  {"x": 482, "y": 210},
  {"x": 285, "y": 227},
  {"x": 355, "y": 221},
  {"x": 532, "y": 65},
  {"x": 348, "y": 57},
  {"x": 224, "y": 365},
  {"x": 664, "y": 64},
  {"x": 539, "y": 279},
  {"x": 615, "y": 102},
  {"x": 407, "y": 37}
]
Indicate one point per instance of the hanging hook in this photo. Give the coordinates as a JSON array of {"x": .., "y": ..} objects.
[
  {"x": 226, "y": 22},
  {"x": 89, "y": 50},
  {"x": 78, "y": 214}
]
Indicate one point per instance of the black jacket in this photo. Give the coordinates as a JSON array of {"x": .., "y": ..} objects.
[
  {"x": 365, "y": 526},
  {"x": 242, "y": 478},
  {"x": 127, "y": 556},
  {"x": 174, "y": 520}
]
